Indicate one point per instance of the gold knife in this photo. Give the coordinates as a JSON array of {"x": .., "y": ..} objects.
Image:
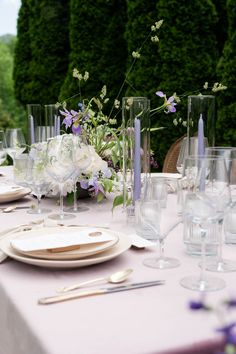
[{"x": 60, "y": 298}]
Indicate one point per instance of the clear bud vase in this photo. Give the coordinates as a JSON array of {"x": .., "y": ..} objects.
[
  {"x": 136, "y": 149},
  {"x": 201, "y": 106}
]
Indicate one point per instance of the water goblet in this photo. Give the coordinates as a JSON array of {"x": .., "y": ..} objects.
[
  {"x": 200, "y": 211},
  {"x": 160, "y": 218},
  {"x": 60, "y": 166},
  {"x": 37, "y": 179},
  {"x": 15, "y": 142}
]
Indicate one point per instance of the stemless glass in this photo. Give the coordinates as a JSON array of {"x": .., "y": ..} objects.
[
  {"x": 60, "y": 166},
  {"x": 82, "y": 161},
  {"x": 160, "y": 216},
  {"x": 201, "y": 212},
  {"x": 15, "y": 142}
]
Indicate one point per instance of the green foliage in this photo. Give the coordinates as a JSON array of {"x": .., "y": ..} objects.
[
  {"x": 188, "y": 53},
  {"x": 145, "y": 75},
  {"x": 42, "y": 50},
  {"x": 226, "y": 71},
  {"x": 97, "y": 46},
  {"x": 10, "y": 111}
]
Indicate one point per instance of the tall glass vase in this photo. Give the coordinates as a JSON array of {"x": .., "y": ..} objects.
[
  {"x": 136, "y": 149},
  {"x": 201, "y": 119}
]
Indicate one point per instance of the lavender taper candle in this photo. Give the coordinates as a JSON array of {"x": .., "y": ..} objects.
[{"x": 137, "y": 159}]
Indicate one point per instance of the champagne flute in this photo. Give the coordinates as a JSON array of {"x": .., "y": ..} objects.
[
  {"x": 60, "y": 166},
  {"x": 15, "y": 142},
  {"x": 156, "y": 214}
]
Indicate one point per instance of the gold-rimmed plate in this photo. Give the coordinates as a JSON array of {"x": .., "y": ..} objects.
[{"x": 122, "y": 245}]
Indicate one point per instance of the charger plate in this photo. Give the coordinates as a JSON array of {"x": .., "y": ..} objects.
[
  {"x": 123, "y": 244},
  {"x": 77, "y": 253}
]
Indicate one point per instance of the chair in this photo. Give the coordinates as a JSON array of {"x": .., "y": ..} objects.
[{"x": 171, "y": 158}]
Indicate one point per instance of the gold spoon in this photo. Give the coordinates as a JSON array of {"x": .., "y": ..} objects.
[
  {"x": 115, "y": 278},
  {"x": 11, "y": 208}
]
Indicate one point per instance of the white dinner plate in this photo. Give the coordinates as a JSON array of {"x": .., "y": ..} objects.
[
  {"x": 81, "y": 252},
  {"x": 14, "y": 195},
  {"x": 123, "y": 244}
]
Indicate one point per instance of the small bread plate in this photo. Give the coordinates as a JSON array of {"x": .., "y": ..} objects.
[{"x": 95, "y": 252}]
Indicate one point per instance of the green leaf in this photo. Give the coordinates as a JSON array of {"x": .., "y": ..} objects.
[
  {"x": 100, "y": 197},
  {"x": 118, "y": 200}
]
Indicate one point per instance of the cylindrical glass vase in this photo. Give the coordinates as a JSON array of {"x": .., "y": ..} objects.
[
  {"x": 201, "y": 106},
  {"x": 136, "y": 148}
]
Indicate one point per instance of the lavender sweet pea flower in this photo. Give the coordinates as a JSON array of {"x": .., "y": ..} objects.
[
  {"x": 171, "y": 105},
  {"x": 160, "y": 94},
  {"x": 68, "y": 118},
  {"x": 107, "y": 173}
]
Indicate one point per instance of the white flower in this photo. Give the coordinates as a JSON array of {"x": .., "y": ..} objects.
[
  {"x": 154, "y": 39},
  {"x": 135, "y": 55}
]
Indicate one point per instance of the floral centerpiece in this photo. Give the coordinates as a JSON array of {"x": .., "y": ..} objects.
[{"x": 104, "y": 137}]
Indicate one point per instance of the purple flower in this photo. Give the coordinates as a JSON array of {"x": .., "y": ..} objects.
[
  {"x": 84, "y": 184},
  {"x": 231, "y": 303},
  {"x": 171, "y": 105},
  {"x": 197, "y": 305},
  {"x": 68, "y": 118},
  {"x": 76, "y": 129},
  {"x": 230, "y": 335},
  {"x": 160, "y": 94}
]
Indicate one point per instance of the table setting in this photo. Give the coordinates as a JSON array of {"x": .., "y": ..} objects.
[{"x": 143, "y": 239}]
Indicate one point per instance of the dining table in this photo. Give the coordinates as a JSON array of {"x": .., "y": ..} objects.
[{"x": 141, "y": 321}]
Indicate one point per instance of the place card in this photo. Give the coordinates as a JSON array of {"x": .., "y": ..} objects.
[
  {"x": 62, "y": 240},
  {"x": 140, "y": 242}
]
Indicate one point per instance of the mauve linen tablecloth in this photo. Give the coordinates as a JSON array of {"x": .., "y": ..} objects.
[{"x": 144, "y": 321}]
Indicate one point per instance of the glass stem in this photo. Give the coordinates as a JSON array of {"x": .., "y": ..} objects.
[
  {"x": 39, "y": 203},
  {"x": 220, "y": 259},
  {"x": 75, "y": 207},
  {"x": 61, "y": 201},
  {"x": 161, "y": 242},
  {"x": 203, "y": 256}
]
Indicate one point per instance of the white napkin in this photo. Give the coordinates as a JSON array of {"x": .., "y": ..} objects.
[{"x": 140, "y": 242}]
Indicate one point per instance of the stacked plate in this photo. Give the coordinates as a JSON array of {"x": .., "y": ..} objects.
[
  {"x": 66, "y": 247},
  {"x": 9, "y": 193}
]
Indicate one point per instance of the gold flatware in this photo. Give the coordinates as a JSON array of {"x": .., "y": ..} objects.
[
  {"x": 14, "y": 207},
  {"x": 65, "y": 297},
  {"x": 115, "y": 278}
]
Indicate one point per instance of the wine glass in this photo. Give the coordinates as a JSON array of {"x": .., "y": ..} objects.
[
  {"x": 60, "y": 166},
  {"x": 3, "y": 154},
  {"x": 160, "y": 216},
  {"x": 37, "y": 178},
  {"x": 15, "y": 142},
  {"x": 82, "y": 161},
  {"x": 189, "y": 147},
  {"x": 199, "y": 211}
]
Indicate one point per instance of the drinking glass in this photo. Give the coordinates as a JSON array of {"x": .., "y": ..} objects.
[
  {"x": 189, "y": 147},
  {"x": 82, "y": 161},
  {"x": 160, "y": 217},
  {"x": 15, "y": 142},
  {"x": 199, "y": 210},
  {"x": 3, "y": 154},
  {"x": 212, "y": 182},
  {"x": 37, "y": 178},
  {"x": 60, "y": 166}
]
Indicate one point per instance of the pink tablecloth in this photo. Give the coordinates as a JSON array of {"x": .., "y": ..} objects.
[{"x": 145, "y": 321}]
